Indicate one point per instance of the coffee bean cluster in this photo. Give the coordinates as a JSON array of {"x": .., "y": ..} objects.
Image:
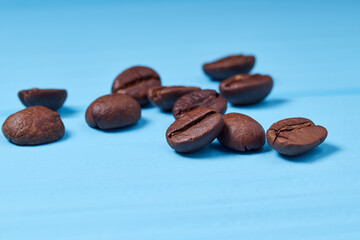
[
  {"x": 38, "y": 123},
  {"x": 199, "y": 113}
]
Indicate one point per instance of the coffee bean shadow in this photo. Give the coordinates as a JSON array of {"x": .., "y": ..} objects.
[
  {"x": 66, "y": 136},
  {"x": 267, "y": 103},
  {"x": 147, "y": 106},
  {"x": 221, "y": 148},
  {"x": 68, "y": 111},
  {"x": 217, "y": 150},
  {"x": 320, "y": 153},
  {"x": 165, "y": 112},
  {"x": 140, "y": 124}
]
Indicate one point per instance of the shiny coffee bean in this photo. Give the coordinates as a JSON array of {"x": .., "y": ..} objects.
[
  {"x": 113, "y": 111},
  {"x": 246, "y": 89},
  {"x": 165, "y": 97},
  {"x": 33, "y": 126},
  {"x": 50, "y": 98},
  {"x": 241, "y": 133},
  {"x": 194, "y": 130},
  {"x": 229, "y": 66},
  {"x": 294, "y": 136},
  {"x": 201, "y": 98},
  {"x": 135, "y": 82}
]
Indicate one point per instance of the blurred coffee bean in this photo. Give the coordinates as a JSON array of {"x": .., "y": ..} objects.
[
  {"x": 33, "y": 126},
  {"x": 229, "y": 66},
  {"x": 135, "y": 82},
  {"x": 246, "y": 89},
  {"x": 200, "y": 98},
  {"x": 113, "y": 111},
  {"x": 50, "y": 98},
  {"x": 165, "y": 97}
]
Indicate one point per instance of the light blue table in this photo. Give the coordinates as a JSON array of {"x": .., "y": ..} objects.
[{"x": 129, "y": 184}]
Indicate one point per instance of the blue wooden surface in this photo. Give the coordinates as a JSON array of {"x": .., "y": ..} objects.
[{"x": 129, "y": 184}]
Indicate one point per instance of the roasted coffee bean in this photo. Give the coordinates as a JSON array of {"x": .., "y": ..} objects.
[
  {"x": 194, "y": 130},
  {"x": 245, "y": 89},
  {"x": 294, "y": 136},
  {"x": 113, "y": 111},
  {"x": 201, "y": 98},
  {"x": 229, "y": 66},
  {"x": 165, "y": 97},
  {"x": 50, "y": 98},
  {"x": 135, "y": 82},
  {"x": 241, "y": 133},
  {"x": 33, "y": 126}
]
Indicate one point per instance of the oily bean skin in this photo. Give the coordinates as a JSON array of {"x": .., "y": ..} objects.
[
  {"x": 294, "y": 136},
  {"x": 33, "y": 126},
  {"x": 135, "y": 82},
  {"x": 229, "y": 66},
  {"x": 241, "y": 133},
  {"x": 165, "y": 97},
  {"x": 50, "y": 98},
  {"x": 246, "y": 89},
  {"x": 194, "y": 130},
  {"x": 201, "y": 98},
  {"x": 113, "y": 111}
]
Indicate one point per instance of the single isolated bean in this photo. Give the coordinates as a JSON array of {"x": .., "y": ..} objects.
[
  {"x": 165, "y": 97},
  {"x": 113, "y": 111},
  {"x": 135, "y": 82},
  {"x": 194, "y": 130},
  {"x": 241, "y": 133},
  {"x": 200, "y": 98},
  {"x": 246, "y": 89},
  {"x": 50, "y": 98},
  {"x": 33, "y": 126},
  {"x": 294, "y": 136},
  {"x": 229, "y": 66}
]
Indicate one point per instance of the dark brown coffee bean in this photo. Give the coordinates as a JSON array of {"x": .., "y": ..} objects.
[
  {"x": 241, "y": 133},
  {"x": 229, "y": 66},
  {"x": 194, "y": 130},
  {"x": 33, "y": 126},
  {"x": 294, "y": 136},
  {"x": 201, "y": 98},
  {"x": 165, "y": 97},
  {"x": 50, "y": 98},
  {"x": 135, "y": 82},
  {"x": 113, "y": 111},
  {"x": 245, "y": 89}
]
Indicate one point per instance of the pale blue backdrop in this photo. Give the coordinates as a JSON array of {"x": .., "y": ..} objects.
[{"x": 129, "y": 184}]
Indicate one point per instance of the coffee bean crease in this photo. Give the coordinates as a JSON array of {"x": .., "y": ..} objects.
[{"x": 191, "y": 124}]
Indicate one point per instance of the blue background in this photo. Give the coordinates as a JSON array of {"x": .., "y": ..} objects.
[{"x": 129, "y": 184}]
